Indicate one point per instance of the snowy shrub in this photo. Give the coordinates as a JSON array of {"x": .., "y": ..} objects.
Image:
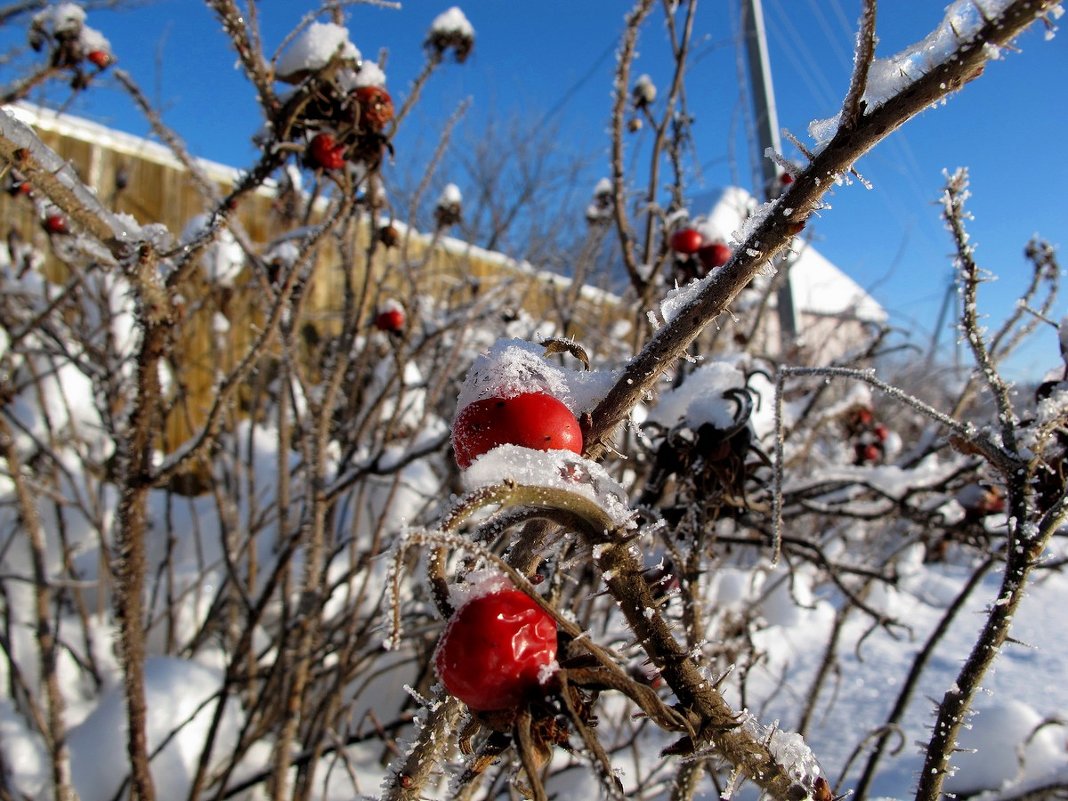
[{"x": 233, "y": 526}]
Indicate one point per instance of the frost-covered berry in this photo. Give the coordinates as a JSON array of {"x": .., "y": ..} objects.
[{"x": 497, "y": 650}]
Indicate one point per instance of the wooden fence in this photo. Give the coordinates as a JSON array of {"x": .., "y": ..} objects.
[{"x": 142, "y": 178}]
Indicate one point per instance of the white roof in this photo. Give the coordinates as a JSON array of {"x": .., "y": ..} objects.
[
  {"x": 128, "y": 144},
  {"x": 819, "y": 287}
]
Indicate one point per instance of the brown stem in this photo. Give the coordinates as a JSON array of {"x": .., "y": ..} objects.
[{"x": 136, "y": 449}]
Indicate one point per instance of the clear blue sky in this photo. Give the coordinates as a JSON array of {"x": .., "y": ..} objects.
[{"x": 555, "y": 58}]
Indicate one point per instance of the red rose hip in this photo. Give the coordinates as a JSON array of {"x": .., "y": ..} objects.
[
  {"x": 530, "y": 420},
  {"x": 496, "y": 650},
  {"x": 714, "y": 255},
  {"x": 56, "y": 224},
  {"x": 390, "y": 320},
  {"x": 686, "y": 241},
  {"x": 326, "y": 153},
  {"x": 99, "y": 58},
  {"x": 375, "y": 106}
]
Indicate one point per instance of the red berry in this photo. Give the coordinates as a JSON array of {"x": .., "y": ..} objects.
[
  {"x": 862, "y": 416},
  {"x": 391, "y": 320},
  {"x": 496, "y": 649},
  {"x": 786, "y": 179},
  {"x": 881, "y": 432},
  {"x": 56, "y": 224},
  {"x": 326, "y": 153},
  {"x": 530, "y": 420},
  {"x": 100, "y": 58},
  {"x": 992, "y": 503},
  {"x": 866, "y": 452},
  {"x": 375, "y": 106},
  {"x": 686, "y": 241},
  {"x": 714, "y": 255}
]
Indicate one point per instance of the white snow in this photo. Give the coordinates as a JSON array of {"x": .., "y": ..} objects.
[
  {"x": 452, "y": 21},
  {"x": 450, "y": 196},
  {"x": 61, "y": 19},
  {"x": 645, "y": 89},
  {"x": 175, "y": 691},
  {"x": 316, "y": 47},
  {"x": 92, "y": 40},
  {"x": 222, "y": 260},
  {"x": 699, "y": 399},
  {"x": 552, "y": 470},
  {"x": 511, "y": 367},
  {"x": 478, "y": 584}
]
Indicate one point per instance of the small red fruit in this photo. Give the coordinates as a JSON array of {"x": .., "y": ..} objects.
[
  {"x": 375, "y": 106},
  {"x": 861, "y": 417},
  {"x": 56, "y": 224},
  {"x": 865, "y": 453},
  {"x": 496, "y": 650},
  {"x": 786, "y": 179},
  {"x": 881, "y": 432},
  {"x": 714, "y": 255},
  {"x": 99, "y": 58},
  {"x": 686, "y": 241},
  {"x": 326, "y": 153},
  {"x": 390, "y": 320},
  {"x": 530, "y": 420}
]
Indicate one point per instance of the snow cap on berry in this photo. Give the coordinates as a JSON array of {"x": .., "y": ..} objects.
[
  {"x": 478, "y": 584},
  {"x": 369, "y": 74},
  {"x": 93, "y": 41},
  {"x": 451, "y": 30},
  {"x": 64, "y": 19},
  {"x": 515, "y": 366},
  {"x": 644, "y": 92},
  {"x": 448, "y": 208},
  {"x": 316, "y": 47},
  {"x": 600, "y": 208},
  {"x": 509, "y": 368}
]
